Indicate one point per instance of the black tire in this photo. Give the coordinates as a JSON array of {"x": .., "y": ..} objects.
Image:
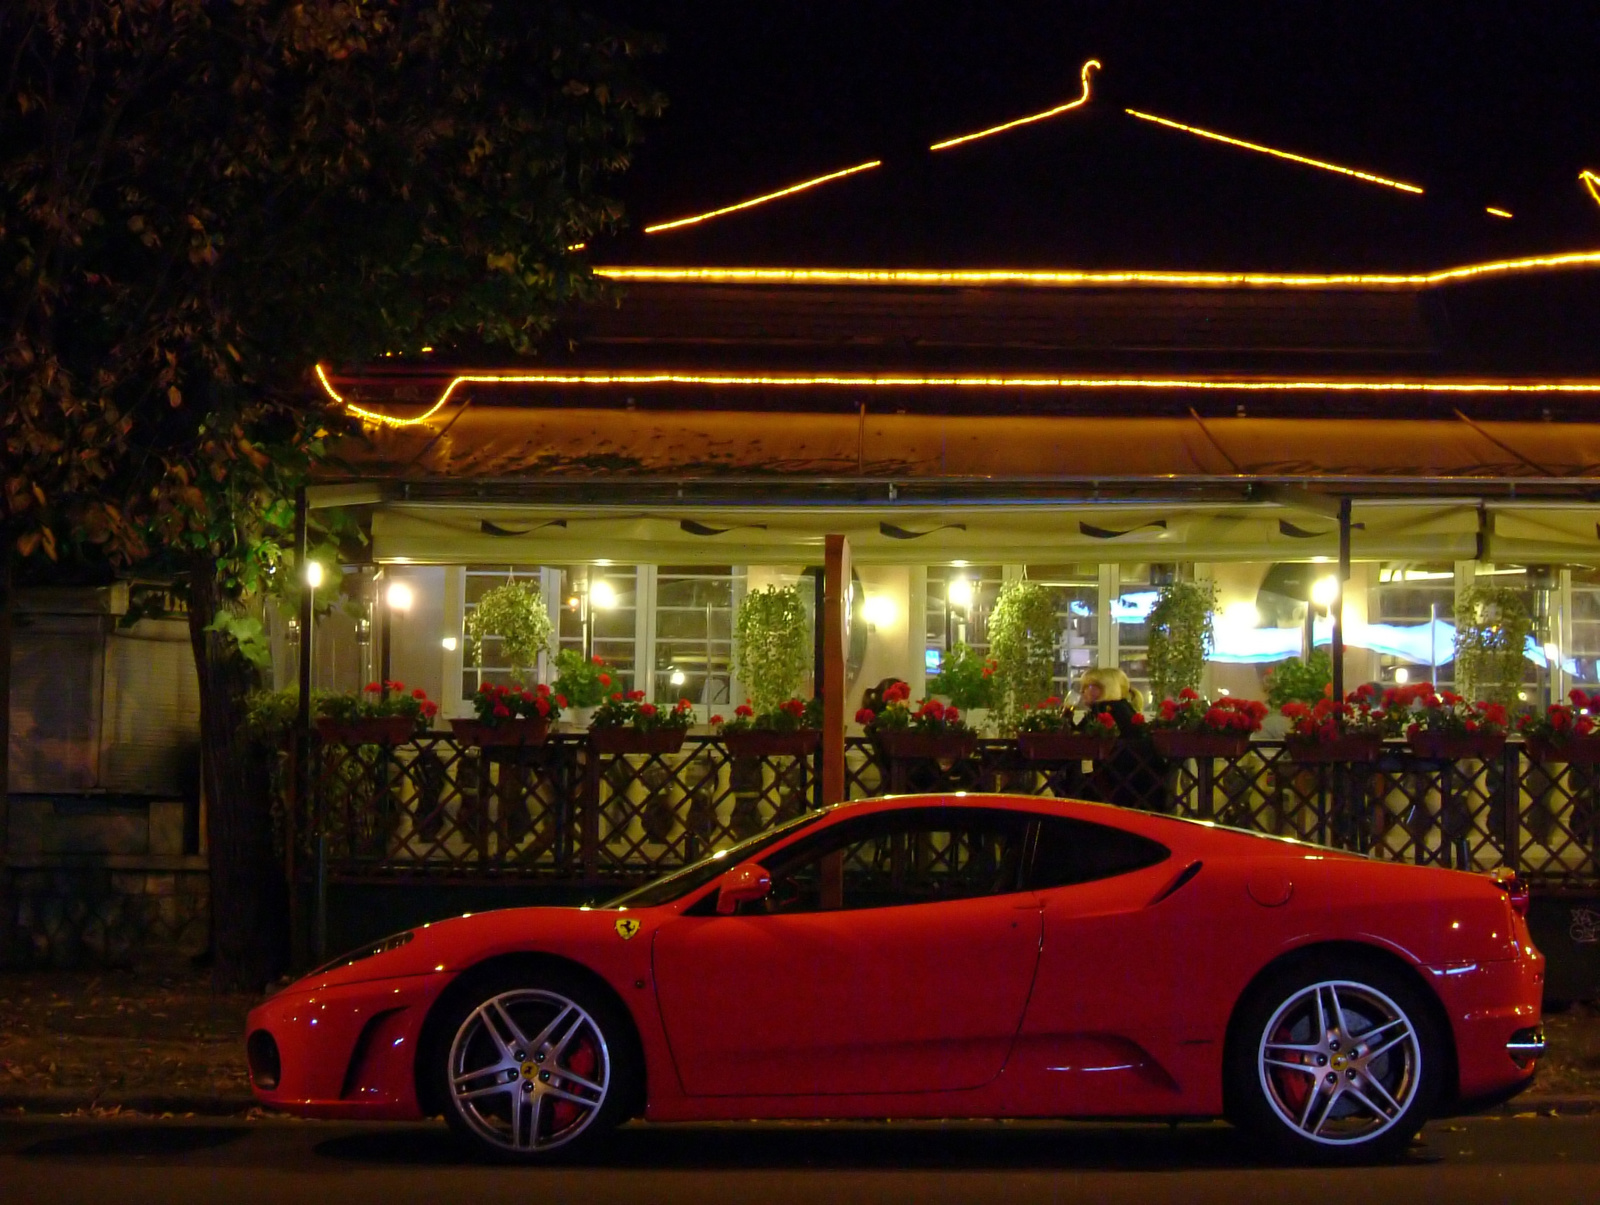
[
  {"x": 1358, "y": 1091},
  {"x": 576, "y": 1079}
]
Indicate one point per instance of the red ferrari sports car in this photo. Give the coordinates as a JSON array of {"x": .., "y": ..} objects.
[{"x": 942, "y": 956}]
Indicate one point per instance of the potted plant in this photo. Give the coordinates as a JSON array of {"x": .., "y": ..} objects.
[
  {"x": 1329, "y": 731},
  {"x": 516, "y": 613},
  {"x": 966, "y": 678},
  {"x": 1564, "y": 732},
  {"x": 930, "y": 730},
  {"x": 792, "y": 729},
  {"x": 772, "y": 645},
  {"x": 1297, "y": 681},
  {"x": 1492, "y": 629},
  {"x": 1024, "y": 633},
  {"x": 1442, "y": 725},
  {"x": 506, "y": 715},
  {"x": 625, "y": 723},
  {"x": 1051, "y": 732},
  {"x": 382, "y": 714},
  {"x": 583, "y": 681},
  {"x": 1192, "y": 726},
  {"x": 1180, "y": 636}
]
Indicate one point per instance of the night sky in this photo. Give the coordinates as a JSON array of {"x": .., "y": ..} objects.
[{"x": 1481, "y": 104}]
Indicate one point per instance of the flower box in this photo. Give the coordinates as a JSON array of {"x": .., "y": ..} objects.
[
  {"x": 902, "y": 744},
  {"x": 368, "y": 730},
  {"x": 772, "y": 744},
  {"x": 631, "y": 740},
  {"x": 1064, "y": 746},
  {"x": 506, "y": 732},
  {"x": 1339, "y": 749},
  {"x": 1579, "y": 750},
  {"x": 1175, "y": 743},
  {"x": 1457, "y": 746}
]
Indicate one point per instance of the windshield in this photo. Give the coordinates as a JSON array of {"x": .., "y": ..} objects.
[{"x": 697, "y": 874}]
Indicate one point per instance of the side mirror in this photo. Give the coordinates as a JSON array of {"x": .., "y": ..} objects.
[{"x": 745, "y": 882}]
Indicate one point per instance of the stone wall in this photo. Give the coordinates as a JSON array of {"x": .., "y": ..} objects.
[{"x": 103, "y": 880}]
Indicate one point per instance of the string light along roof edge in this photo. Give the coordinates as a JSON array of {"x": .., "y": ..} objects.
[
  {"x": 1069, "y": 278},
  {"x": 897, "y": 381},
  {"x": 1083, "y": 75},
  {"x": 1591, "y": 182}
]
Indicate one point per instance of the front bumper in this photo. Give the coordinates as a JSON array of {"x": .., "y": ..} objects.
[{"x": 342, "y": 1052}]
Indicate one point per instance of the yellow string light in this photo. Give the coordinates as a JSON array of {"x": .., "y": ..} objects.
[
  {"x": 634, "y": 380},
  {"x": 1592, "y": 182},
  {"x": 1267, "y": 150},
  {"x": 762, "y": 200},
  {"x": 962, "y": 278},
  {"x": 1083, "y": 75},
  {"x": 1499, "y": 213}
]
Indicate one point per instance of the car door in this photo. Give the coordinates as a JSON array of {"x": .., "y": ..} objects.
[
  {"x": 895, "y": 953},
  {"x": 1105, "y": 1020}
]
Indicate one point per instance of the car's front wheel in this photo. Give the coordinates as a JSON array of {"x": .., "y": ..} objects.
[
  {"x": 1335, "y": 1062},
  {"x": 531, "y": 1068}
]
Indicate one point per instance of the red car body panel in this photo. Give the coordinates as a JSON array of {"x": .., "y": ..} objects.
[{"x": 1108, "y": 998}]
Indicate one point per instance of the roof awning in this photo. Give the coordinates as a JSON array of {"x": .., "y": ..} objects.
[
  {"x": 704, "y": 534},
  {"x": 477, "y": 443}
]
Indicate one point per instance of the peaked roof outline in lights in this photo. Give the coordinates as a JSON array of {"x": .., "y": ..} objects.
[
  {"x": 1589, "y": 179},
  {"x": 1591, "y": 182}
]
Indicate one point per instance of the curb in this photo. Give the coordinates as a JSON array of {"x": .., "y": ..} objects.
[
  {"x": 1548, "y": 1106},
  {"x": 62, "y": 1103}
]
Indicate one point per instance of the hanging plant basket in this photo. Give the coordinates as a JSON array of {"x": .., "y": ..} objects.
[
  {"x": 506, "y": 732},
  {"x": 371, "y": 730},
  {"x": 1065, "y": 746},
  {"x": 901, "y": 745},
  {"x": 1578, "y": 750},
  {"x": 1170, "y": 742},
  {"x": 772, "y": 744},
  {"x": 630, "y": 740},
  {"x": 1457, "y": 746},
  {"x": 1340, "y": 749}
]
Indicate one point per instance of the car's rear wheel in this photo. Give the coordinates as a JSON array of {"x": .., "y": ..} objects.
[
  {"x": 534, "y": 1067},
  {"x": 1335, "y": 1062}
]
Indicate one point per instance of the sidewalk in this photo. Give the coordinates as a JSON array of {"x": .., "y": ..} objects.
[{"x": 157, "y": 1041}]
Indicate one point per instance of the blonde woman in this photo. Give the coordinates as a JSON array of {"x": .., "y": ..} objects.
[{"x": 1135, "y": 775}]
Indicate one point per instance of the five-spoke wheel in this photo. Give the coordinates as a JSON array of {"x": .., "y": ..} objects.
[
  {"x": 1335, "y": 1063},
  {"x": 530, "y": 1070}
]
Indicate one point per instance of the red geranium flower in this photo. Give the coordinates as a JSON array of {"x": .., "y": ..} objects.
[
  {"x": 866, "y": 715},
  {"x": 501, "y": 711},
  {"x": 605, "y": 679},
  {"x": 647, "y": 709}
]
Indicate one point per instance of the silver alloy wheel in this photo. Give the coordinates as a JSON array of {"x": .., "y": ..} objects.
[
  {"x": 529, "y": 1070},
  {"x": 1340, "y": 1062}
]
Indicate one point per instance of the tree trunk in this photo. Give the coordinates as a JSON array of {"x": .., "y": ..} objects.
[
  {"x": 8, "y": 903},
  {"x": 249, "y": 899}
]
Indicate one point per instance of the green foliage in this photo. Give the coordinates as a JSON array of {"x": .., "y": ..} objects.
[
  {"x": 1023, "y": 638},
  {"x": 1296, "y": 681},
  {"x": 966, "y": 678},
  {"x": 516, "y": 613},
  {"x": 1180, "y": 636},
  {"x": 772, "y": 644},
  {"x": 248, "y": 634},
  {"x": 1492, "y": 629},
  {"x": 578, "y": 678},
  {"x": 789, "y": 716}
]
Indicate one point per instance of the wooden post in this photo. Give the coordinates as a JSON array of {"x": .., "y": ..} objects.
[{"x": 835, "y": 613}]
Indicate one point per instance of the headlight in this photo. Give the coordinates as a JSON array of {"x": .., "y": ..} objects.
[{"x": 360, "y": 953}]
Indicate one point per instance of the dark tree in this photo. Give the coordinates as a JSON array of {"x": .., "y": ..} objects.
[{"x": 198, "y": 201}]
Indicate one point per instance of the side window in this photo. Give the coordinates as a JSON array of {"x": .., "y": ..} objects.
[
  {"x": 1076, "y": 851},
  {"x": 889, "y": 860}
]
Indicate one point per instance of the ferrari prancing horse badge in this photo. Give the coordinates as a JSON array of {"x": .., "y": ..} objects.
[{"x": 626, "y": 927}]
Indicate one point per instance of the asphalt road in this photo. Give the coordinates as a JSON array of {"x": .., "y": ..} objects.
[{"x": 1546, "y": 1161}]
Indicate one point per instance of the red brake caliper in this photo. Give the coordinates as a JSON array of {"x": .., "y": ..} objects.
[
  {"x": 1292, "y": 1089},
  {"x": 582, "y": 1062}
]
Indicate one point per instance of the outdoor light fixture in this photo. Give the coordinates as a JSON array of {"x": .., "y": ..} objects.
[
  {"x": 313, "y": 574},
  {"x": 602, "y": 595},
  {"x": 1324, "y": 590},
  {"x": 1401, "y": 675},
  {"x": 1241, "y": 614},
  {"x": 449, "y": 643},
  {"x": 677, "y": 678},
  {"x": 1552, "y": 652},
  {"x": 399, "y": 596},
  {"x": 878, "y": 610},
  {"x": 958, "y": 592}
]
